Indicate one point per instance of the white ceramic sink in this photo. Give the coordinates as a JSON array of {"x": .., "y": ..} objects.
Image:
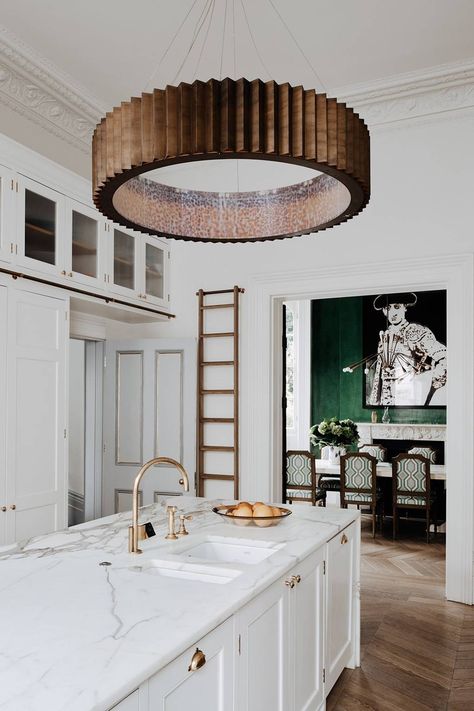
[
  {"x": 230, "y": 550},
  {"x": 187, "y": 571}
]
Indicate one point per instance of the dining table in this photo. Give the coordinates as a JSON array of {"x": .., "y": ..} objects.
[{"x": 384, "y": 469}]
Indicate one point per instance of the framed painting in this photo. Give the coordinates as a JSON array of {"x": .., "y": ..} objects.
[{"x": 404, "y": 342}]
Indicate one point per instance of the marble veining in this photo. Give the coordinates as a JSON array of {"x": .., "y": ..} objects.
[{"x": 79, "y": 636}]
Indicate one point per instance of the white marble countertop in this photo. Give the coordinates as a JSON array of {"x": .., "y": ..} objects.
[{"x": 78, "y": 636}]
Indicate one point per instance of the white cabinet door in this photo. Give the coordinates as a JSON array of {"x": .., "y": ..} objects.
[
  {"x": 40, "y": 228},
  {"x": 208, "y": 688},
  {"x": 341, "y": 596},
  {"x": 307, "y": 634},
  {"x": 153, "y": 263},
  {"x": 7, "y": 215},
  {"x": 123, "y": 277},
  {"x": 131, "y": 703},
  {"x": 36, "y": 405},
  {"x": 264, "y": 659},
  {"x": 85, "y": 244},
  {"x": 3, "y": 412}
]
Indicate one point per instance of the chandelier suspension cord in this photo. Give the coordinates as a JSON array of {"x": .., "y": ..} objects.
[
  {"x": 300, "y": 49},
  {"x": 235, "y": 77},
  {"x": 224, "y": 26},
  {"x": 204, "y": 44},
  {"x": 197, "y": 31},
  {"x": 170, "y": 44},
  {"x": 253, "y": 41}
]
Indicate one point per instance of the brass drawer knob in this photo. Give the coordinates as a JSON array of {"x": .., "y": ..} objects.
[
  {"x": 344, "y": 539},
  {"x": 198, "y": 660},
  {"x": 289, "y": 582},
  {"x": 4, "y": 508},
  {"x": 13, "y": 507}
]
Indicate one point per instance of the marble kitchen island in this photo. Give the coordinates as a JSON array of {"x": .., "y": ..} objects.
[{"x": 82, "y": 636}]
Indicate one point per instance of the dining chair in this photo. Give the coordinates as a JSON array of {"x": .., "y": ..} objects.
[
  {"x": 424, "y": 452},
  {"x": 359, "y": 484},
  {"x": 375, "y": 450},
  {"x": 301, "y": 479},
  {"x": 411, "y": 483}
]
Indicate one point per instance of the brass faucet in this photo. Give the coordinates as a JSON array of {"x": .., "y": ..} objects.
[{"x": 184, "y": 481}]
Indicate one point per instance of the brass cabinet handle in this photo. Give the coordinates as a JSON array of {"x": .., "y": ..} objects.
[
  {"x": 297, "y": 578},
  {"x": 344, "y": 539},
  {"x": 289, "y": 582},
  {"x": 4, "y": 508},
  {"x": 63, "y": 272},
  {"x": 198, "y": 660},
  {"x": 13, "y": 507}
]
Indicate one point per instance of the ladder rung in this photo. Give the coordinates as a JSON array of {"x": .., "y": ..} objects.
[
  {"x": 220, "y": 334},
  {"x": 217, "y": 419},
  {"x": 218, "y": 392},
  {"x": 218, "y": 306},
  {"x": 217, "y": 362},
  {"x": 219, "y": 291},
  {"x": 220, "y": 477},
  {"x": 216, "y": 448}
]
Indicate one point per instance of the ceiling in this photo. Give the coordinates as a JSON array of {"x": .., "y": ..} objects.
[{"x": 114, "y": 49}]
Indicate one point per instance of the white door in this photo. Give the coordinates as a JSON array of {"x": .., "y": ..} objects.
[
  {"x": 153, "y": 265},
  {"x": 340, "y": 592},
  {"x": 37, "y": 415},
  {"x": 149, "y": 411},
  {"x": 3, "y": 412},
  {"x": 123, "y": 277},
  {"x": 307, "y": 634},
  {"x": 265, "y": 652},
  {"x": 210, "y": 687},
  {"x": 84, "y": 246}
]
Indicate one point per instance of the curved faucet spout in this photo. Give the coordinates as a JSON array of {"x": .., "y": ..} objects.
[{"x": 184, "y": 481}]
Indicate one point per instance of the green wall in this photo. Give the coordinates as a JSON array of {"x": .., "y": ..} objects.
[{"x": 336, "y": 341}]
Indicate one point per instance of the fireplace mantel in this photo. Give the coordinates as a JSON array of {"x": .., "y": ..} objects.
[{"x": 406, "y": 431}]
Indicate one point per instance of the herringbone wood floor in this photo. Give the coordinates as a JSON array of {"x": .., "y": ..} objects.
[{"x": 417, "y": 649}]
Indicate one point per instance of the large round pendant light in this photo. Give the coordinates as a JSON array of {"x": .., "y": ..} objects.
[{"x": 222, "y": 119}]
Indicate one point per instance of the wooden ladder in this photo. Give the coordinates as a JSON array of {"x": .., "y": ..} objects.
[{"x": 204, "y": 365}]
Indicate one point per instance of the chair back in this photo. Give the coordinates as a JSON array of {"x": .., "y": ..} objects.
[
  {"x": 411, "y": 480},
  {"x": 358, "y": 476},
  {"x": 375, "y": 450},
  {"x": 300, "y": 473},
  {"x": 424, "y": 452}
]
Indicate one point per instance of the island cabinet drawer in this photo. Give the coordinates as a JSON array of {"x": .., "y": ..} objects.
[
  {"x": 131, "y": 703},
  {"x": 201, "y": 679},
  {"x": 342, "y": 603}
]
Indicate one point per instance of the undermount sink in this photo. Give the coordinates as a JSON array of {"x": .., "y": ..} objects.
[
  {"x": 187, "y": 571},
  {"x": 230, "y": 550}
]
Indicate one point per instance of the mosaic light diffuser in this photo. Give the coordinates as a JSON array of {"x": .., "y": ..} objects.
[{"x": 239, "y": 120}]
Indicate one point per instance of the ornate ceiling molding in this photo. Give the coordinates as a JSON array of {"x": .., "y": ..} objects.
[
  {"x": 37, "y": 89},
  {"x": 33, "y": 87}
]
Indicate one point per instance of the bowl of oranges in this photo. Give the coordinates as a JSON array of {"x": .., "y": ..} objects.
[{"x": 257, "y": 514}]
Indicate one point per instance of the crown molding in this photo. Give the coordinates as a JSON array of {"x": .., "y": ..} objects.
[
  {"x": 40, "y": 91},
  {"x": 35, "y": 88},
  {"x": 447, "y": 87}
]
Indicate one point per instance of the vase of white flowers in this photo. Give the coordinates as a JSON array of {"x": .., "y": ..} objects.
[{"x": 332, "y": 436}]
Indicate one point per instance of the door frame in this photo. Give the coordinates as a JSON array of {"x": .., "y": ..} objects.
[{"x": 261, "y": 378}]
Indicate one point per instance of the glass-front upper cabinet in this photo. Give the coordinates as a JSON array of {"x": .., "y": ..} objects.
[
  {"x": 8, "y": 245},
  {"x": 85, "y": 245},
  {"x": 154, "y": 271},
  {"x": 40, "y": 227},
  {"x": 122, "y": 275}
]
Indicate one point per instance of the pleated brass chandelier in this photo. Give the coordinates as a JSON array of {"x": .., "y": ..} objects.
[{"x": 231, "y": 119}]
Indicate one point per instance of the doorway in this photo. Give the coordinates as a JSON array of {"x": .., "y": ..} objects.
[{"x": 85, "y": 430}]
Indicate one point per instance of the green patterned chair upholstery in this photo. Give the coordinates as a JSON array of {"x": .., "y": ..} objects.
[
  {"x": 375, "y": 450},
  {"x": 301, "y": 480},
  {"x": 411, "y": 482},
  {"x": 359, "y": 483},
  {"x": 424, "y": 452}
]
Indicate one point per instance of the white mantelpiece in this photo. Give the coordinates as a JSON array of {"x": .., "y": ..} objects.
[{"x": 406, "y": 431}]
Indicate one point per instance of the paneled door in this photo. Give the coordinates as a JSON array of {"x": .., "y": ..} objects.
[
  {"x": 37, "y": 414},
  {"x": 3, "y": 413},
  {"x": 149, "y": 406}
]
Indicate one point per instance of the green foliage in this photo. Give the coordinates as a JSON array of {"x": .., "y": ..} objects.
[{"x": 332, "y": 431}]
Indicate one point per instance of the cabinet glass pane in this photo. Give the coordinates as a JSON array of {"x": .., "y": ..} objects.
[
  {"x": 40, "y": 228},
  {"x": 154, "y": 271},
  {"x": 124, "y": 260},
  {"x": 84, "y": 244}
]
